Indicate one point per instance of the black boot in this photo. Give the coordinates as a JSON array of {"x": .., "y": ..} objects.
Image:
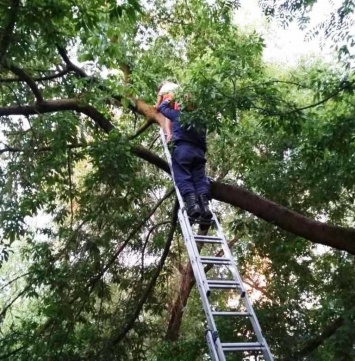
[
  {"x": 205, "y": 210},
  {"x": 192, "y": 208}
]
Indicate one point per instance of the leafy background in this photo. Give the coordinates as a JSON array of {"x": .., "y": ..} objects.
[{"x": 92, "y": 263}]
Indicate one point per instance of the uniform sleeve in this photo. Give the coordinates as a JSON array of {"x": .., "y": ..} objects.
[{"x": 165, "y": 109}]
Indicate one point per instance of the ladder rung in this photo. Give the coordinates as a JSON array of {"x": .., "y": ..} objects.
[
  {"x": 230, "y": 313},
  {"x": 223, "y": 284},
  {"x": 242, "y": 346},
  {"x": 208, "y": 239},
  {"x": 215, "y": 260},
  {"x": 202, "y": 221}
]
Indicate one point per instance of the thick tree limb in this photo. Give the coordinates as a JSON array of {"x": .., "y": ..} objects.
[
  {"x": 150, "y": 157},
  {"x": 315, "y": 231},
  {"x": 51, "y": 106},
  {"x": 6, "y": 35}
]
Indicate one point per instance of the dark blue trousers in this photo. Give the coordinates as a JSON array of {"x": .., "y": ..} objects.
[{"x": 189, "y": 167}]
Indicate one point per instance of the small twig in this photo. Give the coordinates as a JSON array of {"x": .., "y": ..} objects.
[
  {"x": 153, "y": 141},
  {"x": 14, "y": 280},
  {"x": 141, "y": 129},
  {"x": 70, "y": 189},
  {"x": 146, "y": 242},
  {"x": 5, "y": 309}
]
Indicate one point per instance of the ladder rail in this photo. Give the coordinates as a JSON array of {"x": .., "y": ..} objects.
[
  {"x": 197, "y": 267},
  {"x": 204, "y": 291},
  {"x": 234, "y": 270},
  {"x": 216, "y": 347}
]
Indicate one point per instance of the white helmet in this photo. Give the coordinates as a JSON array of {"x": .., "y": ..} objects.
[{"x": 167, "y": 87}]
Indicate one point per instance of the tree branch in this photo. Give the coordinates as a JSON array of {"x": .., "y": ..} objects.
[
  {"x": 317, "y": 232},
  {"x": 9, "y": 25},
  {"x": 250, "y": 282},
  {"x": 94, "y": 280},
  {"x": 5, "y": 309},
  {"x": 15, "y": 279},
  {"x": 139, "y": 226},
  {"x": 69, "y": 64},
  {"x": 13, "y": 352},
  {"x": 29, "y": 81},
  {"x": 141, "y": 129},
  {"x": 272, "y": 113},
  {"x": 44, "y": 78},
  {"x": 38, "y": 150},
  {"x": 314, "y": 104},
  {"x": 139, "y": 107},
  {"x": 153, "y": 281},
  {"x": 186, "y": 284},
  {"x": 51, "y": 106},
  {"x": 151, "y": 230},
  {"x": 126, "y": 73},
  {"x": 314, "y": 343}
]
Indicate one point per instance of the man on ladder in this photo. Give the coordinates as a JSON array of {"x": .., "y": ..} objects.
[
  {"x": 187, "y": 163},
  {"x": 188, "y": 155}
]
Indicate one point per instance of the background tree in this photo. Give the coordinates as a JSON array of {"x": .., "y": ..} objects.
[{"x": 102, "y": 278}]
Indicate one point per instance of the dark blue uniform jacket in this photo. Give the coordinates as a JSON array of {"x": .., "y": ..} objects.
[{"x": 181, "y": 132}]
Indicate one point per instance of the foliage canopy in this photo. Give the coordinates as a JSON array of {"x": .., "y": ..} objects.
[{"x": 92, "y": 263}]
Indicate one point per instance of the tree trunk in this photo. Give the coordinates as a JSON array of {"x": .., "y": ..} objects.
[{"x": 186, "y": 284}]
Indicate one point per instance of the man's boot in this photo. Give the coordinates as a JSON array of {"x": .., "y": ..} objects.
[
  {"x": 205, "y": 210},
  {"x": 192, "y": 207}
]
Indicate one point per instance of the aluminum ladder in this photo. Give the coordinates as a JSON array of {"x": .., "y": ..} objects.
[{"x": 217, "y": 348}]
